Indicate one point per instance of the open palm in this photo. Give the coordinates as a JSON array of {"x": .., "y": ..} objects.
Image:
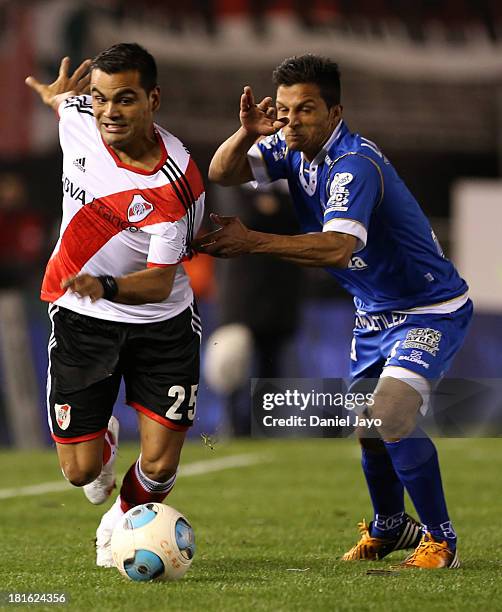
[
  {"x": 260, "y": 119},
  {"x": 65, "y": 85}
]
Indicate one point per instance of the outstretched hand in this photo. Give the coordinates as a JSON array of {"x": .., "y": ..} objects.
[
  {"x": 259, "y": 119},
  {"x": 65, "y": 85},
  {"x": 232, "y": 239}
]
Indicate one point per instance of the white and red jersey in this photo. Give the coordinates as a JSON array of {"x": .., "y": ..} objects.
[{"x": 118, "y": 219}]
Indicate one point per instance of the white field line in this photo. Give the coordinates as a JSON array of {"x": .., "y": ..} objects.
[
  {"x": 224, "y": 463},
  {"x": 195, "y": 468}
]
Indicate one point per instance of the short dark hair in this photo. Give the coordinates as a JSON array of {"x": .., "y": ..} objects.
[
  {"x": 128, "y": 56},
  {"x": 310, "y": 68}
]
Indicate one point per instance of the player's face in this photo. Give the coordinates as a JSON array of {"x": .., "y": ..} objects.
[
  {"x": 122, "y": 108},
  {"x": 311, "y": 122}
]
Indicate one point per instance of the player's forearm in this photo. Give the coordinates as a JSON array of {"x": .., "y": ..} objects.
[
  {"x": 145, "y": 287},
  {"x": 316, "y": 249},
  {"x": 230, "y": 165}
]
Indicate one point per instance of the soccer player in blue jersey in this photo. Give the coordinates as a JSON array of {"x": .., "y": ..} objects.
[{"x": 362, "y": 224}]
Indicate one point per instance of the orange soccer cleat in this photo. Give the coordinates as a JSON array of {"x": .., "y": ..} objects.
[
  {"x": 430, "y": 554},
  {"x": 372, "y": 549}
]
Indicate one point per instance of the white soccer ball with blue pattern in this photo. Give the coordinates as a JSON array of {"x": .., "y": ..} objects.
[{"x": 153, "y": 542}]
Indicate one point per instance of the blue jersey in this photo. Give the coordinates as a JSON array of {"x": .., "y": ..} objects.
[{"x": 351, "y": 187}]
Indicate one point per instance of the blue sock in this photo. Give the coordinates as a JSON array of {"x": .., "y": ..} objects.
[
  {"x": 386, "y": 492},
  {"x": 416, "y": 462}
]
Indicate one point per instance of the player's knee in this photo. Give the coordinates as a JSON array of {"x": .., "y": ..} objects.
[
  {"x": 396, "y": 420},
  {"x": 159, "y": 470},
  {"x": 79, "y": 476},
  {"x": 397, "y": 430},
  {"x": 395, "y": 408}
]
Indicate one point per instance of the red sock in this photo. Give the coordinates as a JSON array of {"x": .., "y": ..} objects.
[{"x": 139, "y": 489}]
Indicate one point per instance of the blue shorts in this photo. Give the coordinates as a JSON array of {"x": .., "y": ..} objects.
[{"x": 412, "y": 347}]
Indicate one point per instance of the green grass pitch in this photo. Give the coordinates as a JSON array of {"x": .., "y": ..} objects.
[{"x": 256, "y": 528}]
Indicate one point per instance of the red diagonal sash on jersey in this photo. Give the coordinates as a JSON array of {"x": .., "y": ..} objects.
[{"x": 99, "y": 221}]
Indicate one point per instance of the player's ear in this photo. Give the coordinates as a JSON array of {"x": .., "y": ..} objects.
[
  {"x": 154, "y": 97},
  {"x": 336, "y": 111},
  {"x": 335, "y": 114}
]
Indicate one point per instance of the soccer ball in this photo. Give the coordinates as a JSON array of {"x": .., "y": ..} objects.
[{"x": 153, "y": 542}]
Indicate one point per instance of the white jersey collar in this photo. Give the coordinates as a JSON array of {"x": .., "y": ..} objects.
[{"x": 310, "y": 185}]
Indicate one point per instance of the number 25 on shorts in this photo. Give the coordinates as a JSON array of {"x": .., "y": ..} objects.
[{"x": 179, "y": 393}]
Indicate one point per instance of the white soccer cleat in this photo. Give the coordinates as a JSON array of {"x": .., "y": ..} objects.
[
  {"x": 104, "y": 532},
  {"x": 99, "y": 490}
]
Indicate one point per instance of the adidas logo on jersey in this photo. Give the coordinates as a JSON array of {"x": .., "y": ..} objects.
[{"x": 80, "y": 163}]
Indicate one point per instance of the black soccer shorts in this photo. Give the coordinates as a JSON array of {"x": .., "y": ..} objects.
[{"x": 88, "y": 357}]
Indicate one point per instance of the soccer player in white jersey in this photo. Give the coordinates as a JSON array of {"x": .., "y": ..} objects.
[
  {"x": 120, "y": 303},
  {"x": 362, "y": 224}
]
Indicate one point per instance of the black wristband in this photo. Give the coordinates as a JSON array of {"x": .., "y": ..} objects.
[{"x": 110, "y": 287}]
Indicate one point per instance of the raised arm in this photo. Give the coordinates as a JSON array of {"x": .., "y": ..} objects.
[
  {"x": 64, "y": 86},
  {"x": 230, "y": 165}
]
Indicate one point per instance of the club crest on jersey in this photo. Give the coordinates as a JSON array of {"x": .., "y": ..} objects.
[
  {"x": 139, "y": 209},
  {"x": 63, "y": 415}
]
